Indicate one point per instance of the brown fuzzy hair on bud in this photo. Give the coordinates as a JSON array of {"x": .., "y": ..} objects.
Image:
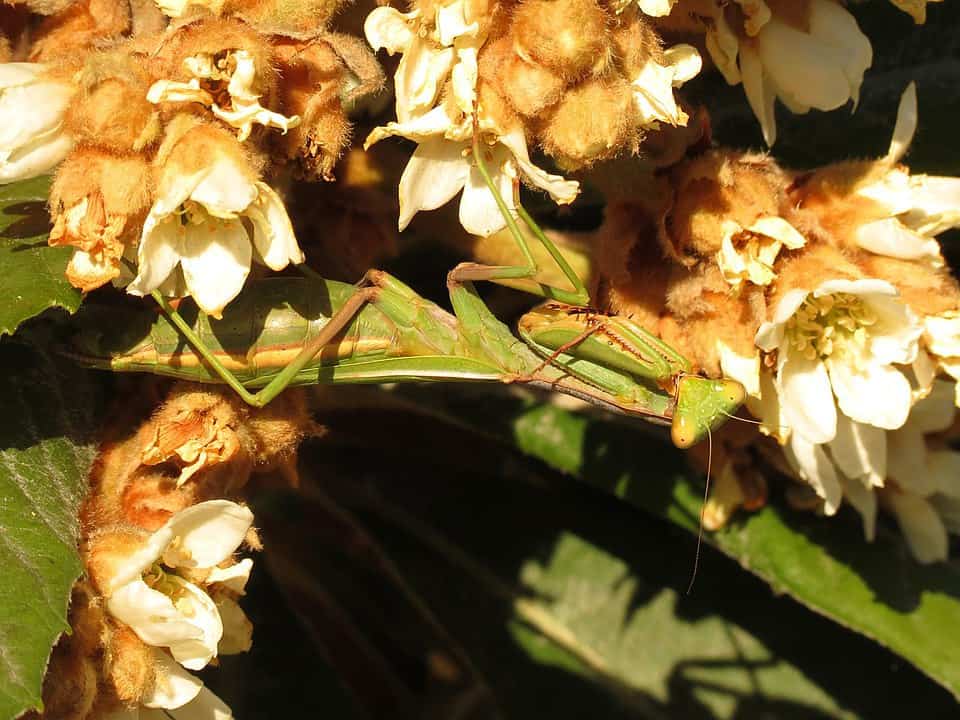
[
  {"x": 191, "y": 145},
  {"x": 593, "y": 121},
  {"x": 714, "y": 189},
  {"x": 293, "y": 18},
  {"x": 107, "y": 550},
  {"x": 571, "y": 37},
  {"x": 111, "y": 109},
  {"x": 129, "y": 665},
  {"x": 701, "y": 310},
  {"x": 78, "y": 27},
  {"x": 927, "y": 290},
  {"x": 530, "y": 87},
  {"x": 322, "y": 78},
  {"x": 635, "y": 42}
]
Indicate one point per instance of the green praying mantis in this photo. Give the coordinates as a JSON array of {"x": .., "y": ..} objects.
[{"x": 297, "y": 331}]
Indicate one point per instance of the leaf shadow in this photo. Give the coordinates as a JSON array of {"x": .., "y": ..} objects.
[{"x": 30, "y": 220}]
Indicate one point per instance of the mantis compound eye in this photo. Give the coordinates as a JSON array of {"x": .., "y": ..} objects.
[{"x": 702, "y": 405}]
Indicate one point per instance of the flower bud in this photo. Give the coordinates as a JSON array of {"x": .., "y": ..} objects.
[
  {"x": 592, "y": 122},
  {"x": 569, "y": 36},
  {"x": 129, "y": 665},
  {"x": 530, "y": 87},
  {"x": 77, "y": 28},
  {"x": 111, "y": 109},
  {"x": 294, "y": 18}
]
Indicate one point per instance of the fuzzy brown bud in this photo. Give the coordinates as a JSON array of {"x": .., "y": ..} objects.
[
  {"x": 592, "y": 122},
  {"x": 78, "y": 27},
  {"x": 569, "y": 36}
]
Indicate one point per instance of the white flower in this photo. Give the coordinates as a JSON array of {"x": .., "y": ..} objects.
[
  {"x": 748, "y": 254},
  {"x": 32, "y": 106},
  {"x": 164, "y": 608},
  {"x": 196, "y": 239},
  {"x": 438, "y": 54},
  {"x": 836, "y": 390},
  {"x": 204, "y": 706},
  {"x": 910, "y": 210},
  {"x": 842, "y": 339},
  {"x": 820, "y": 68},
  {"x": 653, "y": 86},
  {"x": 238, "y": 70}
]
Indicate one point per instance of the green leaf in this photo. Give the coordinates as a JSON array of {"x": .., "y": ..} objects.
[
  {"x": 568, "y": 602},
  {"x": 31, "y": 272},
  {"x": 45, "y": 453},
  {"x": 873, "y": 588}
]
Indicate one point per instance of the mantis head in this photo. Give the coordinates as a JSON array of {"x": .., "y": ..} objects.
[{"x": 702, "y": 405}]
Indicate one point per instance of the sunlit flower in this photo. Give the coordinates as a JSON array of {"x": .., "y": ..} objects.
[
  {"x": 836, "y": 389},
  {"x": 32, "y": 107},
  {"x": 904, "y": 212},
  {"x": 237, "y": 71},
  {"x": 206, "y": 226},
  {"x": 748, "y": 254},
  {"x": 926, "y": 479},
  {"x": 151, "y": 592},
  {"x": 656, "y": 8},
  {"x": 820, "y": 65},
  {"x": 654, "y": 85},
  {"x": 437, "y": 54}
]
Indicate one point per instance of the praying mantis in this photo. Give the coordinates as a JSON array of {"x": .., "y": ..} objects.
[{"x": 296, "y": 331}]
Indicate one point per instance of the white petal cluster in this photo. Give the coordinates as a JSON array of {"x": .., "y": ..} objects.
[
  {"x": 205, "y": 228},
  {"x": 911, "y": 210},
  {"x": 841, "y": 381},
  {"x": 437, "y": 55},
  {"x": 163, "y": 593},
  {"x": 748, "y": 254},
  {"x": 32, "y": 106},
  {"x": 821, "y": 67},
  {"x": 237, "y": 70},
  {"x": 654, "y": 85}
]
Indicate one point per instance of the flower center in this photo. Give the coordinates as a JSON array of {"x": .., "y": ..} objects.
[
  {"x": 831, "y": 325},
  {"x": 161, "y": 580}
]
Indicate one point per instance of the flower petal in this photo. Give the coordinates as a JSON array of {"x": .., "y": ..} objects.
[
  {"x": 936, "y": 411},
  {"x": 234, "y": 577},
  {"x": 562, "y": 191},
  {"x": 814, "y": 467},
  {"x": 907, "y": 461},
  {"x": 860, "y": 451},
  {"x": 215, "y": 261},
  {"x": 207, "y": 533},
  {"x": 388, "y": 28},
  {"x": 776, "y": 227},
  {"x": 273, "y": 234},
  {"x": 161, "y": 246},
  {"x": 806, "y": 397},
  {"x": 151, "y": 615},
  {"x": 35, "y": 158},
  {"x": 206, "y": 706},
  {"x": 173, "y": 686},
  {"x": 195, "y": 652},
  {"x": 436, "y": 172},
  {"x": 770, "y": 334},
  {"x": 892, "y": 238},
  {"x": 877, "y": 394},
  {"x": 921, "y": 526},
  {"x": 479, "y": 212},
  {"x": 237, "y": 628},
  {"x": 225, "y": 190},
  {"x": 760, "y": 92},
  {"x": 745, "y": 370},
  {"x": 906, "y": 125},
  {"x": 832, "y": 24}
]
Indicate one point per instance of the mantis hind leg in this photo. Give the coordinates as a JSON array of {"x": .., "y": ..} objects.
[{"x": 368, "y": 291}]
